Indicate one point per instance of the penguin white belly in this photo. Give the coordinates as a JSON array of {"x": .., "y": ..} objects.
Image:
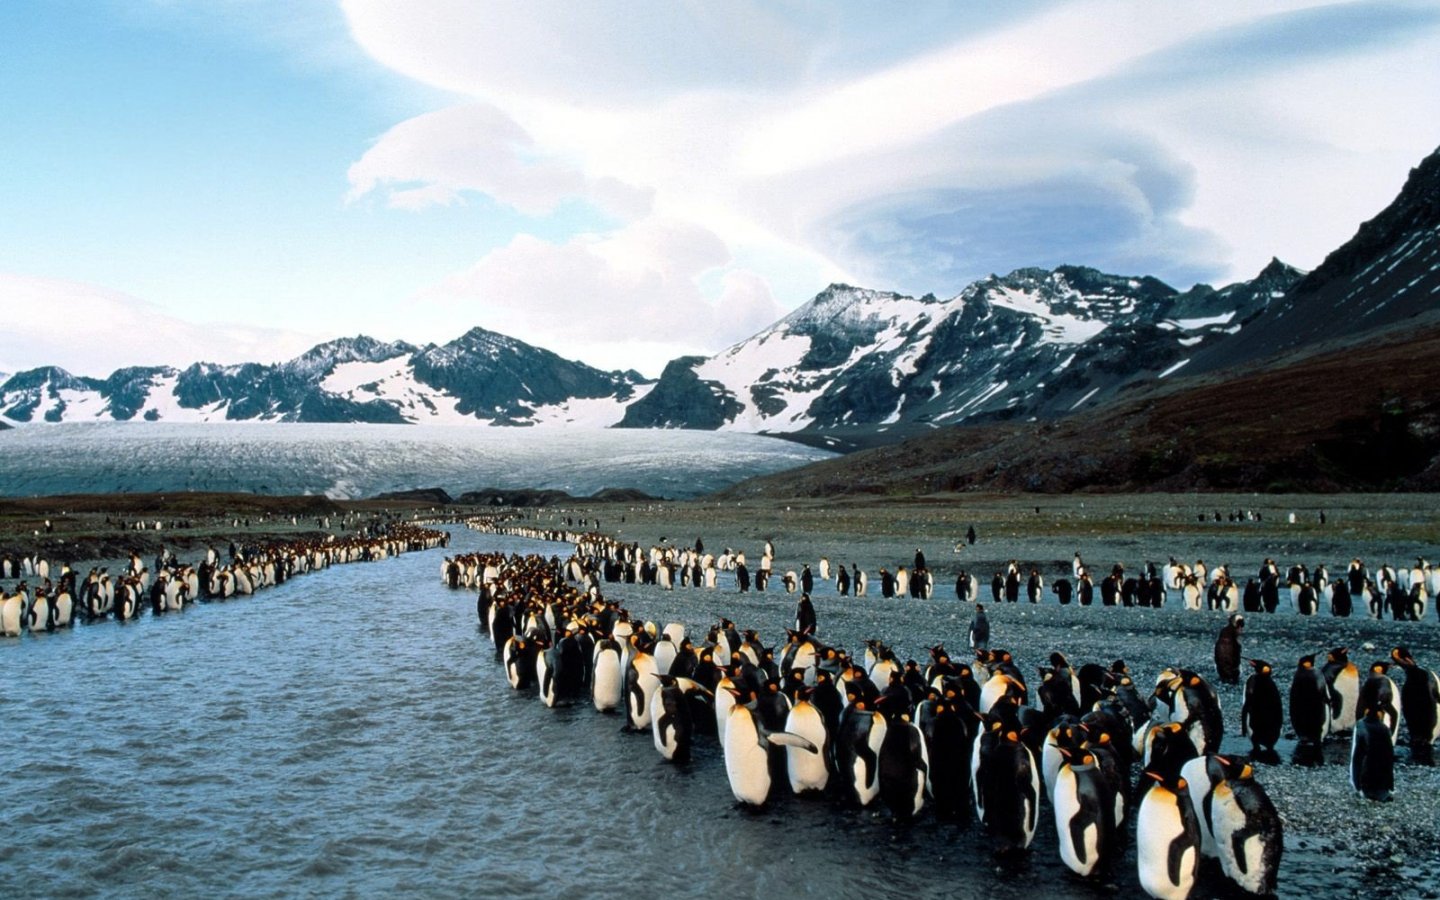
[
  {"x": 39, "y": 619},
  {"x": 1197, "y": 782},
  {"x": 64, "y": 610},
  {"x": 10, "y": 616},
  {"x": 606, "y": 685},
  {"x": 806, "y": 768},
  {"x": 724, "y": 701},
  {"x": 867, "y": 778},
  {"x": 1065, "y": 800},
  {"x": 1347, "y": 685},
  {"x": 1157, "y": 825},
  {"x": 1229, "y": 819},
  {"x": 662, "y": 732},
  {"x": 1050, "y": 763},
  {"x": 747, "y": 762}
]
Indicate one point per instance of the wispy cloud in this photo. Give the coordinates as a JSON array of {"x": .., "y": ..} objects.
[
  {"x": 1100, "y": 133},
  {"x": 49, "y": 320}
]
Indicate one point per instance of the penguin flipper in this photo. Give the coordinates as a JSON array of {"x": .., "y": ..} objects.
[{"x": 788, "y": 739}]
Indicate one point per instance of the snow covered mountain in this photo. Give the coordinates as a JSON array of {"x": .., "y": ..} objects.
[
  {"x": 1031, "y": 343},
  {"x": 849, "y": 364},
  {"x": 477, "y": 378}
]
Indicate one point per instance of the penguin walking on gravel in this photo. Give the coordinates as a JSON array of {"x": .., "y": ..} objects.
[
  {"x": 1227, "y": 650},
  {"x": 1378, "y": 693},
  {"x": 980, "y": 629},
  {"x": 1372, "y": 758},
  {"x": 1420, "y": 705},
  {"x": 1261, "y": 715},
  {"x": 1309, "y": 703},
  {"x": 1344, "y": 680}
]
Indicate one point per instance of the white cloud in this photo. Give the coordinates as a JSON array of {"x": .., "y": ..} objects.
[
  {"x": 1190, "y": 142},
  {"x": 433, "y": 158},
  {"x": 93, "y": 331},
  {"x": 631, "y": 299}
]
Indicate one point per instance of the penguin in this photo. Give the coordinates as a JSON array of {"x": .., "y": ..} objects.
[
  {"x": 948, "y": 726},
  {"x": 672, "y": 724},
  {"x": 11, "y": 614},
  {"x": 1084, "y": 814},
  {"x": 1167, "y": 748},
  {"x": 809, "y": 771},
  {"x": 1201, "y": 775},
  {"x": 980, "y": 629},
  {"x": 857, "y": 751},
  {"x": 1372, "y": 757},
  {"x": 1249, "y": 835},
  {"x": 641, "y": 681},
  {"x": 1006, "y": 784},
  {"x": 1061, "y": 740},
  {"x": 1167, "y": 839},
  {"x": 607, "y": 685},
  {"x": 1420, "y": 705},
  {"x": 519, "y": 659},
  {"x": 1261, "y": 715},
  {"x": 1378, "y": 692},
  {"x": 1193, "y": 703},
  {"x": 904, "y": 769},
  {"x": 1310, "y": 707},
  {"x": 1344, "y": 680},
  {"x": 805, "y": 622},
  {"x": 747, "y": 755},
  {"x": 1227, "y": 650}
]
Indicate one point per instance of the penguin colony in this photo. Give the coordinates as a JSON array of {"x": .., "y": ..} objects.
[
  {"x": 1402, "y": 593},
  {"x": 59, "y": 603},
  {"x": 964, "y": 739}
]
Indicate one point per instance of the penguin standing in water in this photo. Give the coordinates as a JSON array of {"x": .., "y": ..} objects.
[
  {"x": 809, "y": 771},
  {"x": 1084, "y": 815},
  {"x": 1420, "y": 704},
  {"x": 607, "y": 685},
  {"x": 1262, "y": 716},
  {"x": 857, "y": 751},
  {"x": 1372, "y": 758},
  {"x": 1167, "y": 838},
  {"x": 1227, "y": 650},
  {"x": 672, "y": 722},
  {"x": 747, "y": 755},
  {"x": 948, "y": 725},
  {"x": 904, "y": 768}
]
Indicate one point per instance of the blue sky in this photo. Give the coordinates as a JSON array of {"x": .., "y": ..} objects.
[{"x": 623, "y": 183}]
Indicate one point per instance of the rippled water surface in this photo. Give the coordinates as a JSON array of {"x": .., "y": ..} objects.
[{"x": 349, "y": 733}]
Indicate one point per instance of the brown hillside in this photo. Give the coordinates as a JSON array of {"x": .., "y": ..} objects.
[{"x": 1362, "y": 418}]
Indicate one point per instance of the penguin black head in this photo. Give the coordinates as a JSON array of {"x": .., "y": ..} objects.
[
  {"x": 1261, "y": 666},
  {"x": 1380, "y": 667}
]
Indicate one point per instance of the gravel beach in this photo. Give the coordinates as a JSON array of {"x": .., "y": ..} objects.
[{"x": 1337, "y": 844}]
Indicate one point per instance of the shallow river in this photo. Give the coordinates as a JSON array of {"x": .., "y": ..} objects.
[{"x": 348, "y": 733}]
